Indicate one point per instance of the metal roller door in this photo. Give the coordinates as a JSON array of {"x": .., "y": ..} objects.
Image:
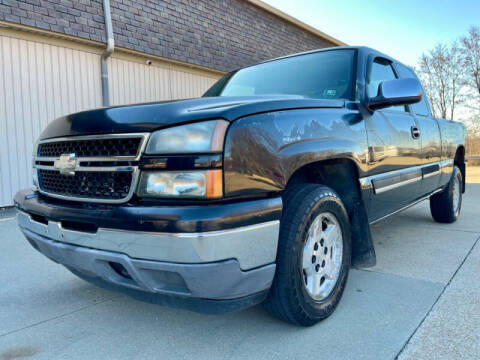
[{"x": 40, "y": 82}]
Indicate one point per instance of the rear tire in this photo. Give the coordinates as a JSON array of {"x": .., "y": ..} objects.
[
  {"x": 313, "y": 257},
  {"x": 446, "y": 205}
]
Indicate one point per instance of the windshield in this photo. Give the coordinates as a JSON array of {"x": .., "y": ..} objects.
[{"x": 320, "y": 75}]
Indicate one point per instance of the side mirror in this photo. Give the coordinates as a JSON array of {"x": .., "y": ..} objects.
[{"x": 396, "y": 93}]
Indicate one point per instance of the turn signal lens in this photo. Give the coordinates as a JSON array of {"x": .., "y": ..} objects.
[{"x": 214, "y": 184}]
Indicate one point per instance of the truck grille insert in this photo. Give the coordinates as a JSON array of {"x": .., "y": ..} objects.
[
  {"x": 99, "y": 168},
  {"x": 98, "y": 185},
  {"x": 91, "y": 147}
]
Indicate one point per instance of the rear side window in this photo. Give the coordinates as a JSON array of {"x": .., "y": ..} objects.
[
  {"x": 381, "y": 71},
  {"x": 421, "y": 108}
]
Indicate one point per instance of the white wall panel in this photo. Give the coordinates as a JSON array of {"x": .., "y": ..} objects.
[
  {"x": 40, "y": 82},
  {"x": 134, "y": 82}
]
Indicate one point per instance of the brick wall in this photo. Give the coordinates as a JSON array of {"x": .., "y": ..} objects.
[
  {"x": 221, "y": 34},
  {"x": 82, "y": 18}
]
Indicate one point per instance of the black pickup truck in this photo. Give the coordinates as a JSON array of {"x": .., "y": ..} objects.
[{"x": 262, "y": 190}]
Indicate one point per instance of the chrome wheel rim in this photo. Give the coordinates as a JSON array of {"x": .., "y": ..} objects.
[
  {"x": 322, "y": 256},
  {"x": 456, "y": 195}
]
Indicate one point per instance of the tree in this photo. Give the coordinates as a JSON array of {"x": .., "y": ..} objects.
[
  {"x": 442, "y": 72},
  {"x": 470, "y": 49},
  {"x": 473, "y": 136}
]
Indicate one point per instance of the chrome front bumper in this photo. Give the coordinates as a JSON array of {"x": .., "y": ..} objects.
[
  {"x": 218, "y": 280},
  {"x": 252, "y": 246},
  {"x": 202, "y": 265}
]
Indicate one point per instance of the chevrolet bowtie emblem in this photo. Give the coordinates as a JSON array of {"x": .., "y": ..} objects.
[{"x": 66, "y": 164}]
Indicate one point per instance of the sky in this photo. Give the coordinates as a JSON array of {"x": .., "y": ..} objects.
[{"x": 403, "y": 29}]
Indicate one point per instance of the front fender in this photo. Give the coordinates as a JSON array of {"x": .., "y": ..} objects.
[
  {"x": 263, "y": 151},
  {"x": 296, "y": 155}
]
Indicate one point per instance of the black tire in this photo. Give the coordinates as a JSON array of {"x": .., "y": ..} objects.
[
  {"x": 443, "y": 205},
  {"x": 288, "y": 299}
]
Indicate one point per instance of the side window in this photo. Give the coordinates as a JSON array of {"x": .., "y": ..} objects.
[
  {"x": 381, "y": 71},
  {"x": 421, "y": 108}
]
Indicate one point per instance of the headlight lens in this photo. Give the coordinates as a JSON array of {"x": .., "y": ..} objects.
[
  {"x": 201, "y": 137},
  {"x": 186, "y": 184}
]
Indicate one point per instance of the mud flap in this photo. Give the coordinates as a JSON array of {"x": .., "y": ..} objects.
[{"x": 363, "y": 251}]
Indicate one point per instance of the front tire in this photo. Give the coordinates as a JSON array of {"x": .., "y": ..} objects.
[
  {"x": 313, "y": 257},
  {"x": 446, "y": 205}
]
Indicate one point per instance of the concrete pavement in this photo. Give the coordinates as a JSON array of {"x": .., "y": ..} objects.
[{"x": 422, "y": 300}]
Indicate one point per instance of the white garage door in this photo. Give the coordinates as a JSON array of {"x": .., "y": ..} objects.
[{"x": 40, "y": 82}]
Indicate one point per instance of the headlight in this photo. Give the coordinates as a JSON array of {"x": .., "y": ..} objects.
[
  {"x": 197, "y": 138},
  {"x": 201, "y": 137},
  {"x": 186, "y": 184}
]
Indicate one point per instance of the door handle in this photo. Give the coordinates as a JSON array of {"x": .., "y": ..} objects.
[{"x": 415, "y": 132}]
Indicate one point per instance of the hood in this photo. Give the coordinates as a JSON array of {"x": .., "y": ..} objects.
[{"x": 154, "y": 116}]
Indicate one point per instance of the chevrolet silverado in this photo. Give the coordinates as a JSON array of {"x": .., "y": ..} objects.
[{"x": 262, "y": 190}]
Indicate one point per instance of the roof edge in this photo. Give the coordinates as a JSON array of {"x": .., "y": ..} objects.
[
  {"x": 101, "y": 45},
  {"x": 295, "y": 21}
]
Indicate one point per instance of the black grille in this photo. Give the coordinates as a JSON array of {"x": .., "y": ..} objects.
[
  {"x": 91, "y": 148},
  {"x": 106, "y": 185}
]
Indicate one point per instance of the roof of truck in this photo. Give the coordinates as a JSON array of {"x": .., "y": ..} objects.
[{"x": 361, "y": 49}]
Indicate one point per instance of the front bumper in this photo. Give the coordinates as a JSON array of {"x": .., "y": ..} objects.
[
  {"x": 251, "y": 246},
  {"x": 217, "y": 280},
  {"x": 230, "y": 263}
]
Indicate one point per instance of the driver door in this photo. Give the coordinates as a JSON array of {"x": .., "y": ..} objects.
[{"x": 394, "y": 150}]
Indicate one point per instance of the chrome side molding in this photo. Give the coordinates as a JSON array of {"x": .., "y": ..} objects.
[{"x": 390, "y": 180}]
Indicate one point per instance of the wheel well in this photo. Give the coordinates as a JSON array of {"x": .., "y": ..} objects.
[
  {"x": 341, "y": 175},
  {"x": 459, "y": 161}
]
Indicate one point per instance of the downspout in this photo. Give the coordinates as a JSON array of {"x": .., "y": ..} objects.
[{"x": 108, "y": 51}]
